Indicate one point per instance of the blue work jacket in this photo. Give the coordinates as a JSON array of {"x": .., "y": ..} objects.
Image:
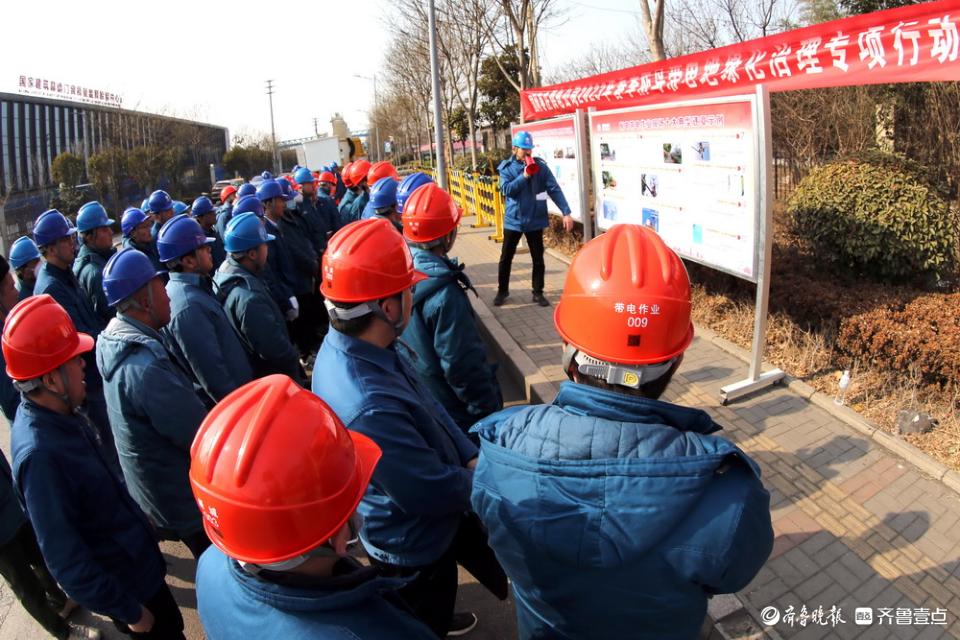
[
  {"x": 446, "y": 349},
  {"x": 421, "y": 486},
  {"x": 617, "y": 516},
  {"x": 155, "y": 414},
  {"x": 202, "y": 339},
  {"x": 527, "y": 197},
  {"x": 356, "y": 603},
  {"x": 88, "y": 268},
  {"x": 255, "y": 317},
  {"x": 95, "y": 540}
]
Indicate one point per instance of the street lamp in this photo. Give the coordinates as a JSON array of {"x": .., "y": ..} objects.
[{"x": 376, "y": 104}]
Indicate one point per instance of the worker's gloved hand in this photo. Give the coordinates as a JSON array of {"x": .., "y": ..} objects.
[
  {"x": 294, "y": 311},
  {"x": 532, "y": 167}
]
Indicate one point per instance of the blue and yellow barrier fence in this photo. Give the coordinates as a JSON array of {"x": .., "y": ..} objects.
[{"x": 478, "y": 195}]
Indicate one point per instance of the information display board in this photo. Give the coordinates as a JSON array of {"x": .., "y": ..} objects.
[
  {"x": 691, "y": 171},
  {"x": 556, "y": 141}
]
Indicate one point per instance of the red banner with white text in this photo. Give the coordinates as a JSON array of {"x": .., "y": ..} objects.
[{"x": 908, "y": 44}]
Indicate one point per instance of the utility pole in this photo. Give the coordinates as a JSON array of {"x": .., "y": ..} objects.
[
  {"x": 316, "y": 129},
  {"x": 273, "y": 132},
  {"x": 376, "y": 111},
  {"x": 437, "y": 114}
]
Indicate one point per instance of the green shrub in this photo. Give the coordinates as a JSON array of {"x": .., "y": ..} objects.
[{"x": 878, "y": 215}]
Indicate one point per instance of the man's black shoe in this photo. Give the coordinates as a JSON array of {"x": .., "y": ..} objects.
[
  {"x": 463, "y": 622},
  {"x": 539, "y": 299},
  {"x": 499, "y": 299}
]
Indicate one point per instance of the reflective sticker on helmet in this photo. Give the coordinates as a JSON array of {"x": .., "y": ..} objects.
[{"x": 631, "y": 379}]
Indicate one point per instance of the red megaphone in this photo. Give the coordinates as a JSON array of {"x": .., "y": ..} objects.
[{"x": 532, "y": 167}]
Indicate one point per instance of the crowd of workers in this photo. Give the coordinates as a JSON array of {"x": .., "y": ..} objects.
[{"x": 160, "y": 391}]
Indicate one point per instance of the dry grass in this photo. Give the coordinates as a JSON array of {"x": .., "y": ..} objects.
[{"x": 809, "y": 355}]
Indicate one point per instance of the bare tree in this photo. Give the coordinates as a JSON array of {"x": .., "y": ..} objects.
[
  {"x": 653, "y": 27},
  {"x": 698, "y": 25}
]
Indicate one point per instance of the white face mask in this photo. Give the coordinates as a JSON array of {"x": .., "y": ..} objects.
[{"x": 291, "y": 205}]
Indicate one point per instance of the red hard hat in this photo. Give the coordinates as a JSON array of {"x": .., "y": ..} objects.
[
  {"x": 328, "y": 177},
  {"x": 357, "y": 172},
  {"x": 39, "y": 336},
  {"x": 367, "y": 260},
  {"x": 429, "y": 213},
  {"x": 226, "y": 192},
  {"x": 626, "y": 299},
  {"x": 345, "y": 174},
  {"x": 275, "y": 473},
  {"x": 380, "y": 170}
]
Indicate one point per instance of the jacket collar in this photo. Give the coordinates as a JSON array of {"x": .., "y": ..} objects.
[
  {"x": 356, "y": 348},
  {"x": 58, "y": 273},
  {"x": 194, "y": 279},
  {"x": 138, "y": 327},
  {"x": 586, "y": 400},
  {"x": 50, "y": 418}
]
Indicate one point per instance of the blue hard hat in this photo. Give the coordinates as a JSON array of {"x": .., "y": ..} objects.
[
  {"x": 23, "y": 251},
  {"x": 200, "y": 206},
  {"x": 246, "y": 189},
  {"x": 523, "y": 140},
  {"x": 179, "y": 236},
  {"x": 126, "y": 272},
  {"x": 296, "y": 168},
  {"x": 145, "y": 205},
  {"x": 91, "y": 216},
  {"x": 288, "y": 192},
  {"x": 248, "y": 204},
  {"x": 303, "y": 176},
  {"x": 244, "y": 232},
  {"x": 333, "y": 165},
  {"x": 131, "y": 219},
  {"x": 179, "y": 206},
  {"x": 50, "y": 226},
  {"x": 266, "y": 175},
  {"x": 268, "y": 190},
  {"x": 383, "y": 194},
  {"x": 159, "y": 201},
  {"x": 408, "y": 185}
]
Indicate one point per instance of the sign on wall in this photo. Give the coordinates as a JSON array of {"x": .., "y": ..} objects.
[
  {"x": 60, "y": 90},
  {"x": 556, "y": 142},
  {"x": 690, "y": 171}
]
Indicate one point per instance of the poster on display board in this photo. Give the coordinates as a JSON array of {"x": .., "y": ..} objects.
[
  {"x": 691, "y": 171},
  {"x": 557, "y": 142}
]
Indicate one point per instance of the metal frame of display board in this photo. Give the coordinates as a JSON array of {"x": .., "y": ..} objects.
[
  {"x": 763, "y": 144},
  {"x": 763, "y": 231}
]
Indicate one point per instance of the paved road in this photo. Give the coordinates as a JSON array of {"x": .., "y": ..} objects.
[{"x": 496, "y": 618}]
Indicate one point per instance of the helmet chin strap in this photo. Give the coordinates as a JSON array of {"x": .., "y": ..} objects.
[
  {"x": 362, "y": 309},
  {"x": 632, "y": 376}
]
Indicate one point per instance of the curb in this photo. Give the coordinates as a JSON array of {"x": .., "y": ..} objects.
[
  {"x": 536, "y": 386},
  {"x": 896, "y": 446}
]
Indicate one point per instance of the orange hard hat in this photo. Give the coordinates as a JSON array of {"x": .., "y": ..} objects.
[
  {"x": 626, "y": 299},
  {"x": 381, "y": 170},
  {"x": 226, "y": 192},
  {"x": 367, "y": 260},
  {"x": 356, "y": 172},
  {"x": 39, "y": 336},
  {"x": 429, "y": 213},
  {"x": 275, "y": 473},
  {"x": 328, "y": 177}
]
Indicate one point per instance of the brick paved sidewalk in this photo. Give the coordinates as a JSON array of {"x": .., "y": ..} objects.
[{"x": 855, "y": 525}]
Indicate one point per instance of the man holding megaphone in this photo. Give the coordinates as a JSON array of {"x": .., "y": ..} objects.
[{"x": 526, "y": 182}]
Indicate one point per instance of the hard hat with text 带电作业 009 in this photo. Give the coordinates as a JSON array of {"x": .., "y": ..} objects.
[{"x": 626, "y": 299}]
